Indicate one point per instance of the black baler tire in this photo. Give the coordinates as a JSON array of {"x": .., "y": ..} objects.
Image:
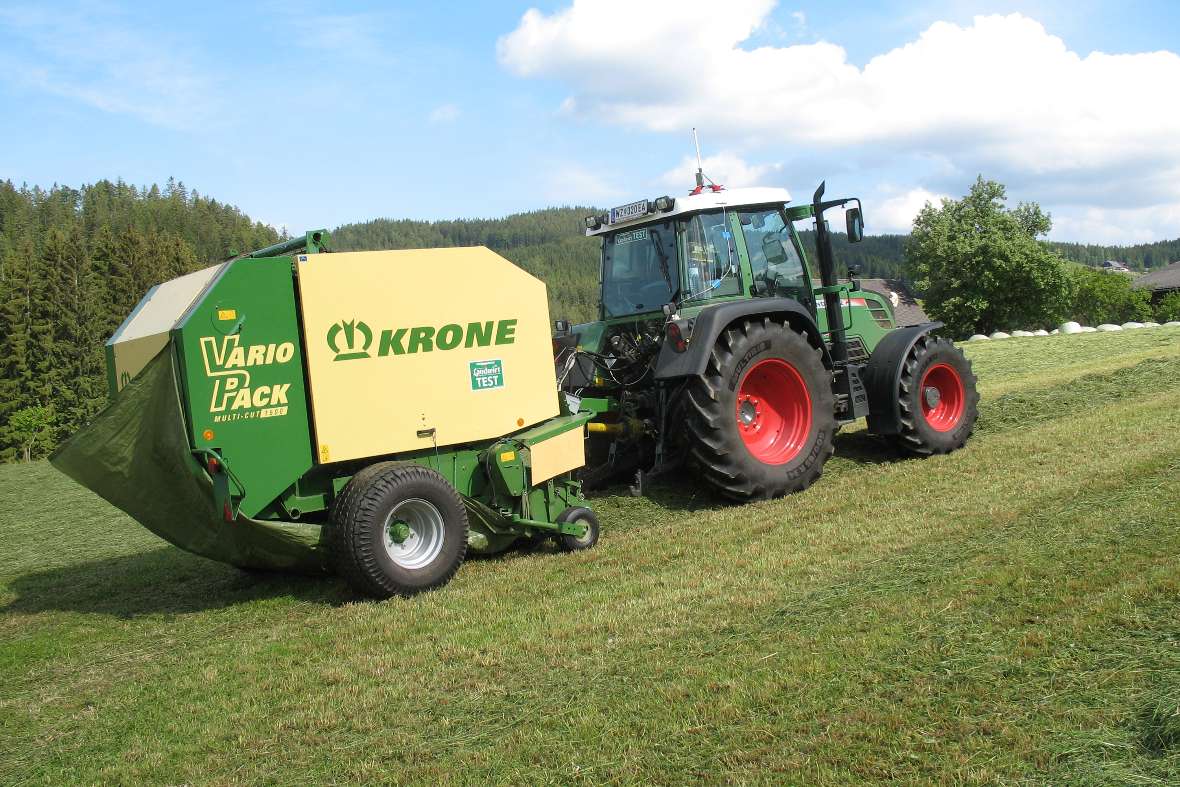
[
  {"x": 916, "y": 435},
  {"x": 716, "y": 449},
  {"x": 568, "y": 543},
  {"x": 358, "y": 520}
]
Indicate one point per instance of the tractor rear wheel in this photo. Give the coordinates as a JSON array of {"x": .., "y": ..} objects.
[
  {"x": 937, "y": 398},
  {"x": 398, "y": 529},
  {"x": 761, "y": 419}
]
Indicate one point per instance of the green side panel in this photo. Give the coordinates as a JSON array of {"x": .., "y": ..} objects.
[
  {"x": 860, "y": 319},
  {"x": 242, "y": 378},
  {"x": 135, "y": 454}
]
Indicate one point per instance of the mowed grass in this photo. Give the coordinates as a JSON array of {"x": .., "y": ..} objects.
[{"x": 1007, "y": 613}]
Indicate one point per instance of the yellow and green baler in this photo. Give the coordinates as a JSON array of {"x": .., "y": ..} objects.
[{"x": 377, "y": 412}]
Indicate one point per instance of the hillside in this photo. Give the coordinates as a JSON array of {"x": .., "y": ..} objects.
[{"x": 1004, "y": 614}]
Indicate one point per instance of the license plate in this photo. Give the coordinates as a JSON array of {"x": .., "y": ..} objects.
[{"x": 631, "y": 211}]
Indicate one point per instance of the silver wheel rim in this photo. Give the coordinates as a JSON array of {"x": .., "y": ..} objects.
[{"x": 424, "y": 539}]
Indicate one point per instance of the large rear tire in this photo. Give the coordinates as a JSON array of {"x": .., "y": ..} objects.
[
  {"x": 761, "y": 419},
  {"x": 398, "y": 530},
  {"x": 937, "y": 398}
]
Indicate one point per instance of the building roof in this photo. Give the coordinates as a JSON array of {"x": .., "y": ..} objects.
[
  {"x": 1166, "y": 278},
  {"x": 706, "y": 200},
  {"x": 906, "y": 308}
]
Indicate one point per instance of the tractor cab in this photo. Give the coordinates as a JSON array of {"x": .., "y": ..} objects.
[
  {"x": 696, "y": 250},
  {"x": 680, "y": 255}
]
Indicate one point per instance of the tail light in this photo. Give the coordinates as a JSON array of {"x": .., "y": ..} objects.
[{"x": 214, "y": 465}]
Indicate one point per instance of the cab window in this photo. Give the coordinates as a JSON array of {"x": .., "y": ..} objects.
[
  {"x": 638, "y": 270},
  {"x": 711, "y": 264},
  {"x": 774, "y": 260}
]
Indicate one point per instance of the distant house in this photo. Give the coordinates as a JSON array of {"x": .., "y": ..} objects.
[
  {"x": 905, "y": 306},
  {"x": 1114, "y": 266},
  {"x": 1160, "y": 282}
]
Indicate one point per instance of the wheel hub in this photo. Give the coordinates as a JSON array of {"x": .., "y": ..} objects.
[
  {"x": 748, "y": 412},
  {"x": 399, "y": 532},
  {"x": 933, "y": 397}
]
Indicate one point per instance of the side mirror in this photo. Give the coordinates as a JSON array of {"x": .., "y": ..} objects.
[
  {"x": 561, "y": 327},
  {"x": 854, "y": 225}
]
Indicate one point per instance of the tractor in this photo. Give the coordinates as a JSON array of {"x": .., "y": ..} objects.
[{"x": 716, "y": 349}]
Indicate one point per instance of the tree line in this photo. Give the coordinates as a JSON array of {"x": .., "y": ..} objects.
[{"x": 73, "y": 264}]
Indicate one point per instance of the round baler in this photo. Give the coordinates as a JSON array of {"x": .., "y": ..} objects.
[{"x": 379, "y": 413}]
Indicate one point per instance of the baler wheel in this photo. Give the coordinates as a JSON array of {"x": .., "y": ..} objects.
[
  {"x": 937, "y": 398},
  {"x": 569, "y": 543},
  {"x": 398, "y": 529},
  {"x": 761, "y": 419}
]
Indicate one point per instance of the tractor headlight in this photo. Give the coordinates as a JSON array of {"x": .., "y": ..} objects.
[
  {"x": 593, "y": 222},
  {"x": 664, "y": 204}
]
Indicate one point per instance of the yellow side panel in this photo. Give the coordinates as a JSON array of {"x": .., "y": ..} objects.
[
  {"x": 399, "y": 343},
  {"x": 557, "y": 455}
]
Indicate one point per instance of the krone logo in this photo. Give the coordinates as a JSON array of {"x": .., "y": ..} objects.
[{"x": 350, "y": 329}]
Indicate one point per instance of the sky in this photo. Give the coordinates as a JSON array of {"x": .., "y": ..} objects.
[{"x": 309, "y": 115}]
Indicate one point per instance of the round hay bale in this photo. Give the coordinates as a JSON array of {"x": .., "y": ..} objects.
[
  {"x": 1088, "y": 329},
  {"x": 1041, "y": 332},
  {"x": 1131, "y": 325},
  {"x": 978, "y": 337},
  {"x": 1069, "y": 327},
  {"x": 1172, "y": 324},
  {"x": 1000, "y": 335},
  {"x": 1022, "y": 334},
  {"x": 1108, "y": 328},
  {"x": 1055, "y": 332}
]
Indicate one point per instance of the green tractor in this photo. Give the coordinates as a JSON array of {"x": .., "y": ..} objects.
[{"x": 715, "y": 348}]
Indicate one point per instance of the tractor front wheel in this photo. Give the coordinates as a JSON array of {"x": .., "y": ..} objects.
[
  {"x": 937, "y": 398},
  {"x": 761, "y": 419},
  {"x": 398, "y": 530}
]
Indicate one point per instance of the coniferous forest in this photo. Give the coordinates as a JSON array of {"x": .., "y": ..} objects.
[{"x": 74, "y": 262}]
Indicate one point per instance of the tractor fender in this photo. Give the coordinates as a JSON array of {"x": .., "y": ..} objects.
[
  {"x": 882, "y": 376},
  {"x": 711, "y": 321}
]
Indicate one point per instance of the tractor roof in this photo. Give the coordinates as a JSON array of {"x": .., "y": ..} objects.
[{"x": 706, "y": 200}]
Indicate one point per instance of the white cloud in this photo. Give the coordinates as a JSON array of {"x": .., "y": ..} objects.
[
  {"x": 1001, "y": 96},
  {"x": 896, "y": 213},
  {"x": 725, "y": 168},
  {"x": 444, "y": 113}
]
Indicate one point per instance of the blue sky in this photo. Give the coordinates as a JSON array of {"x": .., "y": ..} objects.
[{"x": 309, "y": 114}]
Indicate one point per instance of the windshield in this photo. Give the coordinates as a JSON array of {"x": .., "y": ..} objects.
[
  {"x": 774, "y": 260},
  {"x": 638, "y": 270},
  {"x": 711, "y": 257}
]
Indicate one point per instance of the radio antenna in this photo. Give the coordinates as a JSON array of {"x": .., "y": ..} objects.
[{"x": 700, "y": 169}]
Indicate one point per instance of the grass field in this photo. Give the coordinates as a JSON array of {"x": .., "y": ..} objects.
[{"x": 1007, "y": 613}]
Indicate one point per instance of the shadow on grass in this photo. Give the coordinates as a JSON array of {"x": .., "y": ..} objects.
[
  {"x": 866, "y": 449},
  {"x": 164, "y": 581}
]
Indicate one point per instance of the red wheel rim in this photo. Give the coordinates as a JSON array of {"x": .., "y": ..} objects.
[
  {"x": 941, "y": 393},
  {"x": 773, "y": 411}
]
